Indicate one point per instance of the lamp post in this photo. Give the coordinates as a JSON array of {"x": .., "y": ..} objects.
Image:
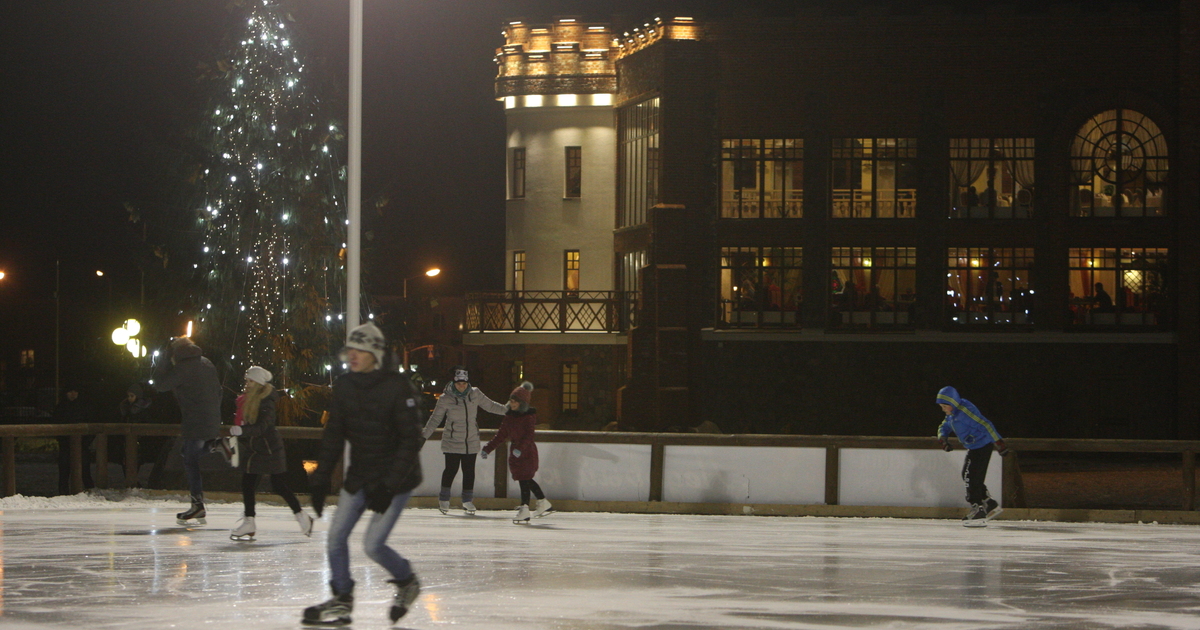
[
  {"x": 354, "y": 169},
  {"x": 428, "y": 273}
]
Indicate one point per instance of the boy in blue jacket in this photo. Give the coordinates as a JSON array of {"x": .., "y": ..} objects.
[{"x": 980, "y": 438}]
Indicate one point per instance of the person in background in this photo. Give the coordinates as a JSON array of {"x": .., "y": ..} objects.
[
  {"x": 72, "y": 410},
  {"x": 518, "y": 427},
  {"x": 192, "y": 378},
  {"x": 979, "y": 437},
  {"x": 375, "y": 410},
  {"x": 459, "y": 407},
  {"x": 261, "y": 452}
]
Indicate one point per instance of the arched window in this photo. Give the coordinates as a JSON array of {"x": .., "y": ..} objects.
[{"x": 1118, "y": 166}]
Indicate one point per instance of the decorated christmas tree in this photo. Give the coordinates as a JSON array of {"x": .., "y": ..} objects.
[{"x": 270, "y": 198}]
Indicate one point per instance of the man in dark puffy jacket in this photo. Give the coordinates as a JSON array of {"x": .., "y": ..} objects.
[
  {"x": 375, "y": 410},
  {"x": 193, "y": 379}
]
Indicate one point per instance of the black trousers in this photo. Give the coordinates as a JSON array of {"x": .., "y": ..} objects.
[
  {"x": 278, "y": 484},
  {"x": 467, "y": 462},
  {"x": 527, "y": 486},
  {"x": 974, "y": 471}
]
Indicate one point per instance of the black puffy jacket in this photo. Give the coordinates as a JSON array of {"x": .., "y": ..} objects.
[{"x": 376, "y": 412}]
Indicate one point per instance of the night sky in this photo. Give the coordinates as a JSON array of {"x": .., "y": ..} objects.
[{"x": 95, "y": 91}]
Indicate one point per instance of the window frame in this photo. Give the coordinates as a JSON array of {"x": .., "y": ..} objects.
[
  {"x": 863, "y": 311},
  {"x": 638, "y": 160},
  {"x": 573, "y": 172},
  {"x": 517, "y": 179},
  {"x": 1011, "y": 307},
  {"x": 569, "y": 383},
  {"x": 1154, "y": 310},
  {"x": 777, "y": 161},
  {"x": 1010, "y": 159},
  {"x": 571, "y": 270},
  {"x": 852, "y": 203},
  {"x": 1091, "y": 153},
  {"x": 518, "y": 270},
  {"x": 739, "y": 308}
]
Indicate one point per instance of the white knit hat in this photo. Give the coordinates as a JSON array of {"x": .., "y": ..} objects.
[
  {"x": 259, "y": 375},
  {"x": 367, "y": 338}
]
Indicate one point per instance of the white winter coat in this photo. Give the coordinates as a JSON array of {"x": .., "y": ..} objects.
[{"x": 461, "y": 433}]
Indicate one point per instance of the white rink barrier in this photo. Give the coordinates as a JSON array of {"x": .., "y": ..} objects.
[{"x": 711, "y": 473}]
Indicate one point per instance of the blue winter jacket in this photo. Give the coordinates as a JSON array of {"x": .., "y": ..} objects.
[{"x": 965, "y": 421}]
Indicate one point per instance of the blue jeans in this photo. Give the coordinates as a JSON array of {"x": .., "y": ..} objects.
[
  {"x": 192, "y": 450},
  {"x": 350, "y": 508}
]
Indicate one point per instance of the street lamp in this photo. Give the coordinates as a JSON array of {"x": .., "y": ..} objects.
[{"x": 431, "y": 273}]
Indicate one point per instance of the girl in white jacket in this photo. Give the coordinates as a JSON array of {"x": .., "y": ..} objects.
[{"x": 458, "y": 407}]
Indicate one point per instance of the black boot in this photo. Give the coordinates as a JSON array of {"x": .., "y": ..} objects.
[
  {"x": 333, "y": 612},
  {"x": 406, "y": 594},
  {"x": 196, "y": 512}
]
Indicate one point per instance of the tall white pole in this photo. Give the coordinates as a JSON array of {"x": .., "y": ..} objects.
[{"x": 354, "y": 169}]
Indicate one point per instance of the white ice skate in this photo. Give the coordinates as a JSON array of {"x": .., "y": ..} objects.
[
  {"x": 306, "y": 523},
  {"x": 469, "y": 508},
  {"x": 444, "y": 507},
  {"x": 244, "y": 531},
  {"x": 522, "y": 515},
  {"x": 542, "y": 508}
]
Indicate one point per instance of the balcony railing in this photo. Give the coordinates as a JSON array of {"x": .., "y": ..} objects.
[{"x": 551, "y": 311}]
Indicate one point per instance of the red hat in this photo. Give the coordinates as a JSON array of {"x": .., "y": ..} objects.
[{"x": 522, "y": 394}]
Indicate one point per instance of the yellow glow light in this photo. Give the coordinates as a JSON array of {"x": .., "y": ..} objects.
[
  {"x": 120, "y": 336},
  {"x": 433, "y": 272},
  {"x": 133, "y": 326}
]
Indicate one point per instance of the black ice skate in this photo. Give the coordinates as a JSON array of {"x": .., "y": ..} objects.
[
  {"x": 194, "y": 515},
  {"x": 334, "y": 612},
  {"x": 406, "y": 594},
  {"x": 993, "y": 508},
  {"x": 977, "y": 517}
]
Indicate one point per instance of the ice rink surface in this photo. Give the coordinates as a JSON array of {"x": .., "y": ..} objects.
[{"x": 83, "y": 562}]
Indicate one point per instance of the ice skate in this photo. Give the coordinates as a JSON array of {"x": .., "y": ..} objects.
[
  {"x": 542, "y": 508},
  {"x": 194, "y": 515},
  {"x": 522, "y": 515},
  {"x": 334, "y": 612},
  {"x": 244, "y": 531},
  {"x": 306, "y": 523},
  {"x": 469, "y": 508},
  {"x": 993, "y": 509},
  {"x": 444, "y": 507},
  {"x": 977, "y": 517},
  {"x": 406, "y": 594}
]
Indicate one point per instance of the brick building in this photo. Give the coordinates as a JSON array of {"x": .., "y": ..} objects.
[{"x": 826, "y": 216}]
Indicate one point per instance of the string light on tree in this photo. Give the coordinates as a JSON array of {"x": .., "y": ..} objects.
[{"x": 271, "y": 182}]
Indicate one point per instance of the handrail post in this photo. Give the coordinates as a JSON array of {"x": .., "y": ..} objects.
[
  {"x": 500, "y": 470},
  {"x": 101, "y": 442},
  {"x": 656, "y": 472},
  {"x": 10, "y": 465},
  {"x": 131, "y": 460},
  {"x": 1189, "y": 480},
  {"x": 832, "y": 474},
  {"x": 76, "y": 485}
]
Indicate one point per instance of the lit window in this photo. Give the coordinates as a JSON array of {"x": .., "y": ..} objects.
[
  {"x": 1118, "y": 287},
  {"x": 991, "y": 178},
  {"x": 873, "y": 287},
  {"x": 571, "y": 272},
  {"x": 762, "y": 179},
  {"x": 570, "y": 386},
  {"x": 1118, "y": 166},
  {"x": 874, "y": 178},
  {"x": 989, "y": 286},
  {"x": 518, "y": 271},
  {"x": 761, "y": 286}
]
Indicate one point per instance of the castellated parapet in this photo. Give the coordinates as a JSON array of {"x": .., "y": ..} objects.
[
  {"x": 566, "y": 57},
  {"x": 573, "y": 57}
]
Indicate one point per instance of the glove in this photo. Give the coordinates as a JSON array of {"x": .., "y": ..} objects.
[
  {"x": 379, "y": 498},
  {"x": 319, "y": 485},
  {"x": 945, "y": 442},
  {"x": 235, "y": 430},
  {"x": 483, "y": 454},
  {"x": 1001, "y": 448}
]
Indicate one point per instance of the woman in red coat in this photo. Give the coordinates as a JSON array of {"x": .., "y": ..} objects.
[{"x": 518, "y": 427}]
